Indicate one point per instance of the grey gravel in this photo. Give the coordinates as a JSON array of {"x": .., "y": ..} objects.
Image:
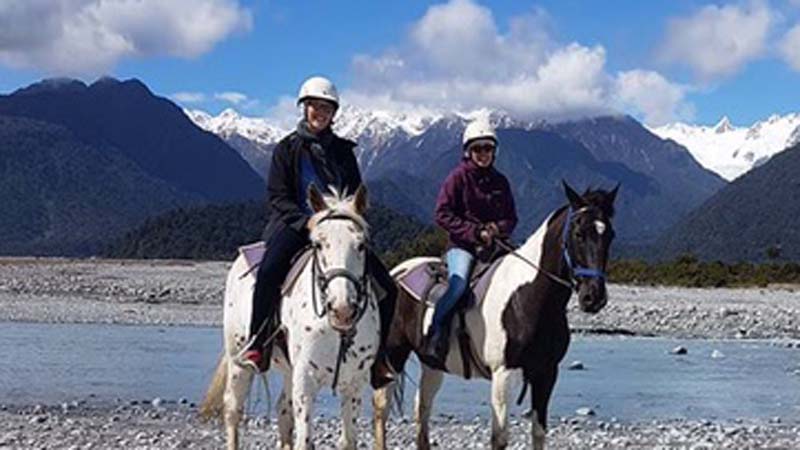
[
  {"x": 168, "y": 292},
  {"x": 178, "y": 427}
]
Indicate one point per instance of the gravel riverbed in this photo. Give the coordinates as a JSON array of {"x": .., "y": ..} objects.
[{"x": 190, "y": 293}]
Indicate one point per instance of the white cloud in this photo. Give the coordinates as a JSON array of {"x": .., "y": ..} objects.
[
  {"x": 87, "y": 37},
  {"x": 717, "y": 41},
  {"x": 231, "y": 97},
  {"x": 188, "y": 97},
  {"x": 456, "y": 57},
  {"x": 790, "y": 47},
  {"x": 656, "y": 99}
]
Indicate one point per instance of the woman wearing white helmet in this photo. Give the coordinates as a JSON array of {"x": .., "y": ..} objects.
[
  {"x": 310, "y": 154},
  {"x": 474, "y": 206}
]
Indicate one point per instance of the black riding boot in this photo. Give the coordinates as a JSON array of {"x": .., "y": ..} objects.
[{"x": 435, "y": 345}]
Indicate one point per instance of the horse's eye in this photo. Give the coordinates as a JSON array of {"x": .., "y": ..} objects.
[{"x": 361, "y": 247}]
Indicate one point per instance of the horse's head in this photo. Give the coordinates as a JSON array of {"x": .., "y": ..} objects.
[
  {"x": 587, "y": 236},
  {"x": 338, "y": 234}
]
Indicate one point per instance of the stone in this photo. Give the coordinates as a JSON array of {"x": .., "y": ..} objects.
[
  {"x": 576, "y": 365},
  {"x": 679, "y": 350},
  {"x": 585, "y": 411},
  {"x": 716, "y": 354}
]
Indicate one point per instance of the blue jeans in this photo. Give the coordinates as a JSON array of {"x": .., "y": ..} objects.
[{"x": 459, "y": 265}]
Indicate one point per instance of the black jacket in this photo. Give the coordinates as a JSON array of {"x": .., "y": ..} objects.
[{"x": 334, "y": 163}]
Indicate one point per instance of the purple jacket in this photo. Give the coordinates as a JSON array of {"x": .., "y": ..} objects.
[{"x": 470, "y": 196}]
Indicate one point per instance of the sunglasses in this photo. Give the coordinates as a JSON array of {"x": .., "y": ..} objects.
[
  {"x": 321, "y": 106},
  {"x": 481, "y": 148}
]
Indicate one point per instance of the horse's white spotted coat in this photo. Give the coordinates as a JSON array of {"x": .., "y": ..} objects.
[{"x": 312, "y": 342}]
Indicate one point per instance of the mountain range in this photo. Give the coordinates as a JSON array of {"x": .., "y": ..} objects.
[
  {"x": 84, "y": 164},
  {"x": 754, "y": 218},
  {"x": 81, "y": 164},
  {"x": 731, "y": 151},
  {"x": 405, "y": 157}
]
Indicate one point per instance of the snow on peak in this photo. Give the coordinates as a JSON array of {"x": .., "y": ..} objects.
[
  {"x": 229, "y": 123},
  {"x": 723, "y": 126},
  {"x": 731, "y": 151}
]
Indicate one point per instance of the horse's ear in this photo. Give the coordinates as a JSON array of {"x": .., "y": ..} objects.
[
  {"x": 613, "y": 194},
  {"x": 315, "y": 200},
  {"x": 574, "y": 198},
  {"x": 361, "y": 201}
]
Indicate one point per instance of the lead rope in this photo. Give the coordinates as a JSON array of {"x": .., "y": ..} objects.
[
  {"x": 509, "y": 248},
  {"x": 345, "y": 342}
]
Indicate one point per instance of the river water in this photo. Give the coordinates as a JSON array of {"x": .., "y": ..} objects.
[{"x": 626, "y": 378}]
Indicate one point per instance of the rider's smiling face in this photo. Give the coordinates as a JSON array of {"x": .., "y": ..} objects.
[
  {"x": 319, "y": 114},
  {"x": 482, "y": 154}
]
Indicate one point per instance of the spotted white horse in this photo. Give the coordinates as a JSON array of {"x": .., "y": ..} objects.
[{"x": 331, "y": 326}]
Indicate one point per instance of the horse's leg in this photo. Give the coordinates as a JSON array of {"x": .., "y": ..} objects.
[
  {"x": 350, "y": 409},
  {"x": 237, "y": 387},
  {"x": 285, "y": 415},
  {"x": 500, "y": 408},
  {"x": 543, "y": 383},
  {"x": 381, "y": 406},
  {"x": 429, "y": 384},
  {"x": 304, "y": 389}
]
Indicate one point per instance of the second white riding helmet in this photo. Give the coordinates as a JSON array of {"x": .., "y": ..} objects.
[
  {"x": 476, "y": 130},
  {"x": 318, "y": 87}
]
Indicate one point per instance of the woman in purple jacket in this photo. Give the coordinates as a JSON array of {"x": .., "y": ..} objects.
[{"x": 474, "y": 206}]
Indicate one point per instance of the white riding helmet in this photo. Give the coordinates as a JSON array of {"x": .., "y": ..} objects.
[
  {"x": 478, "y": 129},
  {"x": 318, "y": 87}
]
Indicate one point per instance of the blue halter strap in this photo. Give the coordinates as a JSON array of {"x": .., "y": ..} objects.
[{"x": 577, "y": 271}]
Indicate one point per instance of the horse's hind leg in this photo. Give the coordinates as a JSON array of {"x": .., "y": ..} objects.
[
  {"x": 429, "y": 384},
  {"x": 351, "y": 409},
  {"x": 540, "y": 397},
  {"x": 500, "y": 378},
  {"x": 381, "y": 406},
  {"x": 237, "y": 387},
  {"x": 285, "y": 415}
]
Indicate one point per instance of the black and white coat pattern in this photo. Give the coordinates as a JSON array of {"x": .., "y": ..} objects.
[{"x": 520, "y": 331}]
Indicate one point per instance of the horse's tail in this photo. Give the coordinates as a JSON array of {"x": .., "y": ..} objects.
[{"x": 212, "y": 404}]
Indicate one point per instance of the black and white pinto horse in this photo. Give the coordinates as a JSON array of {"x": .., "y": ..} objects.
[
  {"x": 519, "y": 332},
  {"x": 331, "y": 327}
]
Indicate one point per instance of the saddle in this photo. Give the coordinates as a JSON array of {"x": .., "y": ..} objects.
[
  {"x": 427, "y": 282},
  {"x": 254, "y": 253}
]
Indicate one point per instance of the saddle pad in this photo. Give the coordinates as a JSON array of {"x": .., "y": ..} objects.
[
  {"x": 427, "y": 281},
  {"x": 254, "y": 253}
]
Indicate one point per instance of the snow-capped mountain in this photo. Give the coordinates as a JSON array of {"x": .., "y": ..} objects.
[
  {"x": 229, "y": 123},
  {"x": 731, "y": 151}
]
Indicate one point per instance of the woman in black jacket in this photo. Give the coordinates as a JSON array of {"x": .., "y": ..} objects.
[{"x": 310, "y": 154}]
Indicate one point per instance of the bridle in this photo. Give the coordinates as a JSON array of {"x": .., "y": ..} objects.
[
  {"x": 322, "y": 278},
  {"x": 577, "y": 271}
]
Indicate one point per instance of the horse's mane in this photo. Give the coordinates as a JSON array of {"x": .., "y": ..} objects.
[{"x": 339, "y": 203}]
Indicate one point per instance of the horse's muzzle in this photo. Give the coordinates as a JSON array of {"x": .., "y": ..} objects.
[
  {"x": 592, "y": 295},
  {"x": 341, "y": 317}
]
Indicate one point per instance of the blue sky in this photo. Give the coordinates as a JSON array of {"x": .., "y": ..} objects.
[{"x": 658, "y": 60}]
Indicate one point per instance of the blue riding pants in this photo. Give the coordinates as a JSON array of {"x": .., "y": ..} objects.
[{"x": 459, "y": 265}]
